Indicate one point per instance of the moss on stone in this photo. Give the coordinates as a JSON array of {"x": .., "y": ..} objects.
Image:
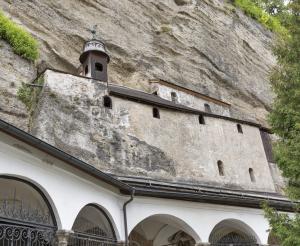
[
  {"x": 21, "y": 41},
  {"x": 251, "y": 9},
  {"x": 29, "y": 95}
]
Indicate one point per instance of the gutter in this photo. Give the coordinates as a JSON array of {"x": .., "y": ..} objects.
[
  {"x": 61, "y": 155},
  {"x": 239, "y": 200},
  {"x": 163, "y": 191},
  {"x": 125, "y": 217}
]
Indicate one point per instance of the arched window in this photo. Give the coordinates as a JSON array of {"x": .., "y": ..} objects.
[
  {"x": 26, "y": 216},
  {"x": 92, "y": 225},
  {"x": 221, "y": 168},
  {"x": 98, "y": 67},
  {"x": 107, "y": 102},
  {"x": 174, "y": 97},
  {"x": 201, "y": 119},
  {"x": 239, "y": 128},
  {"x": 155, "y": 112},
  {"x": 251, "y": 173},
  {"x": 86, "y": 70},
  {"x": 207, "y": 108}
]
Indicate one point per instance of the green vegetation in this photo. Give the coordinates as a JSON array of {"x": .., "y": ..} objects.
[
  {"x": 29, "y": 95},
  {"x": 285, "y": 122},
  {"x": 21, "y": 41},
  {"x": 256, "y": 11}
]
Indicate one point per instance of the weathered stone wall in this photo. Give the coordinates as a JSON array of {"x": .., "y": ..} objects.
[
  {"x": 205, "y": 45},
  {"x": 127, "y": 140},
  {"x": 189, "y": 100},
  {"x": 13, "y": 71}
]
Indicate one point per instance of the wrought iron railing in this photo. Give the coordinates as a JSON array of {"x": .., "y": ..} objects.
[
  {"x": 21, "y": 235},
  {"x": 233, "y": 239},
  {"x": 82, "y": 239}
]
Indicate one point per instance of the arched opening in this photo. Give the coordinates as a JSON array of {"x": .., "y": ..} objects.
[
  {"x": 92, "y": 226},
  {"x": 239, "y": 128},
  {"x": 26, "y": 217},
  {"x": 201, "y": 119},
  {"x": 174, "y": 97},
  {"x": 251, "y": 174},
  {"x": 155, "y": 113},
  {"x": 207, "y": 108},
  {"x": 107, "y": 102},
  {"x": 98, "y": 67},
  {"x": 232, "y": 232},
  {"x": 221, "y": 168},
  {"x": 163, "y": 229}
]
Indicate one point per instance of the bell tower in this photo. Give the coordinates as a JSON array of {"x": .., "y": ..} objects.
[{"x": 94, "y": 59}]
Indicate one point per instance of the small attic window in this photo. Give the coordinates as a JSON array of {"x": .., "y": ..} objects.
[
  {"x": 201, "y": 119},
  {"x": 155, "y": 112},
  {"x": 239, "y": 128},
  {"x": 98, "y": 67},
  {"x": 221, "y": 168},
  {"x": 174, "y": 97},
  {"x": 86, "y": 70},
  {"x": 155, "y": 93},
  {"x": 207, "y": 108},
  {"x": 251, "y": 173},
  {"x": 107, "y": 102}
]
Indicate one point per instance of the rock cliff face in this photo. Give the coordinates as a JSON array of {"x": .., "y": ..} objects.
[{"x": 205, "y": 45}]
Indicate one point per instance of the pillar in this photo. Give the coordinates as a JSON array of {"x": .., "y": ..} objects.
[{"x": 62, "y": 237}]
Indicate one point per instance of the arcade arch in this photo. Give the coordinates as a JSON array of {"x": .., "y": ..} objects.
[
  {"x": 232, "y": 232},
  {"x": 92, "y": 226},
  {"x": 163, "y": 229},
  {"x": 26, "y": 217}
]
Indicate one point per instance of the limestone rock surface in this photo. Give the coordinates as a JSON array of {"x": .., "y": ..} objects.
[{"x": 205, "y": 45}]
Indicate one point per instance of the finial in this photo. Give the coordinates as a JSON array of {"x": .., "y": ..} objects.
[{"x": 93, "y": 31}]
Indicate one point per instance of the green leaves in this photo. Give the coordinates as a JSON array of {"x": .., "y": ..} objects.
[
  {"x": 255, "y": 11},
  {"x": 21, "y": 41},
  {"x": 285, "y": 122}
]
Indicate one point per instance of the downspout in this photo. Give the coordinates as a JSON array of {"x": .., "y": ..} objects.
[{"x": 125, "y": 216}]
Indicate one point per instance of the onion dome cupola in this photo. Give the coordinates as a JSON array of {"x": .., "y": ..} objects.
[{"x": 94, "y": 59}]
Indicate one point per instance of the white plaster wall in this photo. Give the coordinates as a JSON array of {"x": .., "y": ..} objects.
[
  {"x": 201, "y": 218},
  {"x": 189, "y": 100},
  {"x": 68, "y": 191}
]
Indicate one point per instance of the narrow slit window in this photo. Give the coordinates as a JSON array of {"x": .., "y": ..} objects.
[
  {"x": 201, "y": 119},
  {"x": 221, "y": 168},
  {"x": 86, "y": 70},
  {"x": 251, "y": 173},
  {"x": 155, "y": 112},
  {"x": 207, "y": 108},
  {"x": 239, "y": 128},
  {"x": 98, "y": 67},
  {"x": 174, "y": 97},
  {"x": 107, "y": 102}
]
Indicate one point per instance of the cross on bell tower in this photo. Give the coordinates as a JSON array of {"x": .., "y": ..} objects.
[{"x": 94, "y": 58}]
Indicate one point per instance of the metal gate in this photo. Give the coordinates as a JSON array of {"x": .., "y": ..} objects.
[
  {"x": 82, "y": 239},
  {"x": 26, "y": 218},
  {"x": 13, "y": 233}
]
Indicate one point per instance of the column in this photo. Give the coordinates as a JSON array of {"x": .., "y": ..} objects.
[{"x": 62, "y": 237}]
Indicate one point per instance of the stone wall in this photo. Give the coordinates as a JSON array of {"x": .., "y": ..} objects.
[
  {"x": 13, "y": 71},
  {"x": 190, "y": 100},
  {"x": 127, "y": 140},
  {"x": 205, "y": 45}
]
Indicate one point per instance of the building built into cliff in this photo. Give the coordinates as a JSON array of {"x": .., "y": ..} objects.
[{"x": 105, "y": 164}]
